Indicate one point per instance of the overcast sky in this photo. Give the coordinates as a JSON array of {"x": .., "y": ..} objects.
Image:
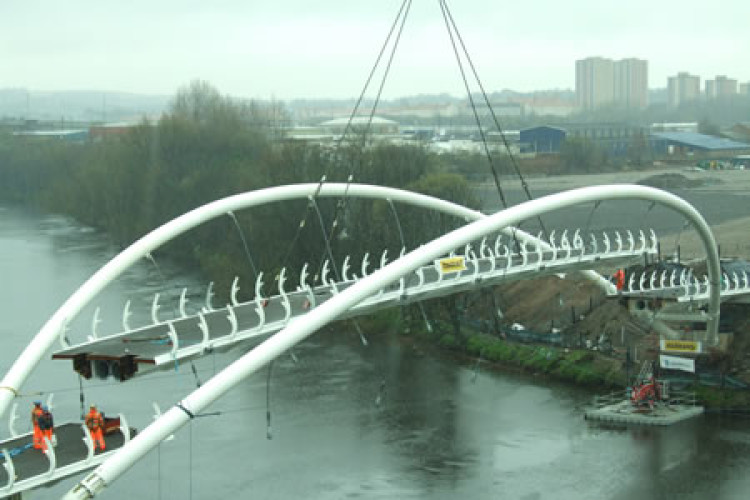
[{"x": 302, "y": 48}]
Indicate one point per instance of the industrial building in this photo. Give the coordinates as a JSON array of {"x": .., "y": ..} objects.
[
  {"x": 614, "y": 138},
  {"x": 692, "y": 144}
]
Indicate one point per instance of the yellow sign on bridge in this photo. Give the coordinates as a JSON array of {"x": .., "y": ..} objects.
[
  {"x": 451, "y": 265},
  {"x": 688, "y": 346}
]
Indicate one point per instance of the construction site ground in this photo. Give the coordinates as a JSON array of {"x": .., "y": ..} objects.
[{"x": 603, "y": 325}]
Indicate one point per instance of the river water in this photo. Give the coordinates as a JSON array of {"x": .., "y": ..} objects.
[{"x": 385, "y": 421}]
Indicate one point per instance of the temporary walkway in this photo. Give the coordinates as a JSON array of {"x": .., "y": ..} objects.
[{"x": 25, "y": 467}]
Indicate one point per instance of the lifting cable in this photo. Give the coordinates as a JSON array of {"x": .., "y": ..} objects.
[
  {"x": 444, "y": 8},
  {"x": 342, "y": 203},
  {"x": 80, "y": 396},
  {"x": 406, "y": 4},
  {"x": 512, "y": 158},
  {"x": 591, "y": 215},
  {"x": 269, "y": 435},
  {"x": 450, "y": 23},
  {"x": 403, "y": 245},
  {"x": 244, "y": 244}
]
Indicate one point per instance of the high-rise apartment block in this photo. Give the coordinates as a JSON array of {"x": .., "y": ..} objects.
[
  {"x": 721, "y": 87},
  {"x": 683, "y": 88},
  {"x": 594, "y": 82},
  {"x": 745, "y": 88},
  {"x": 601, "y": 81},
  {"x": 631, "y": 83}
]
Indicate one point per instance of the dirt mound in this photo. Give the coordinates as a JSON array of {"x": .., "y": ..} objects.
[{"x": 676, "y": 181}]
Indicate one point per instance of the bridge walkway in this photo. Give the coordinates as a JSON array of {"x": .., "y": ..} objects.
[
  {"x": 25, "y": 467},
  {"x": 166, "y": 342}
]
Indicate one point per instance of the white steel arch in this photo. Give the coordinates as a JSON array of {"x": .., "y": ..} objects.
[
  {"x": 41, "y": 343},
  {"x": 328, "y": 311}
]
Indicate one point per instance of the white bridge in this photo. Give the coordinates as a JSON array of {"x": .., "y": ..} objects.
[
  {"x": 164, "y": 342},
  {"x": 275, "y": 323}
]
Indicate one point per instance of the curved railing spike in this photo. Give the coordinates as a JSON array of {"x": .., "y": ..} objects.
[
  {"x": 172, "y": 334},
  {"x": 365, "y": 264},
  {"x": 642, "y": 240},
  {"x": 155, "y": 309},
  {"x": 654, "y": 241},
  {"x": 10, "y": 469},
  {"x": 345, "y": 269},
  {"x": 232, "y": 318},
  {"x": 324, "y": 273},
  {"x": 88, "y": 442},
  {"x": 594, "y": 244},
  {"x": 203, "y": 326},
  {"x": 284, "y": 298},
  {"x": 63, "y": 336},
  {"x": 259, "y": 287},
  {"x": 12, "y": 420},
  {"x": 126, "y": 316},
  {"x": 662, "y": 279},
  {"x": 210, "y": 296},
  {"x": 235, "y": 289},
  {"x": 124, "y": 428},
  {"x": 303, "y": 277},
  {"x": 618, "y": 241},
  {"x": 498, "y": 244},
  {"x": 95, "y": 323},
  {"x": 484, "y": 250},
  {"x": 631, "y": 241},
  {"x": 607, "y": 244},
  {"x": 183, "y": 302},
  {"x": 51, "y": 456},
  {"x": 383, "y": 258}
]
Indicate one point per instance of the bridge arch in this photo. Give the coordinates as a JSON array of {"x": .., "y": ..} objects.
[
  {"x": 297, "y": 330},
  {"x": 41, "y": 343}
]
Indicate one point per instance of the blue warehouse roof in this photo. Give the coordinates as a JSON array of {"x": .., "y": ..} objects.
[{"x": 701, "y": 141}]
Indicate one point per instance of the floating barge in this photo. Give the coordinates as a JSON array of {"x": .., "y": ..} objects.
[{"x": 624, "y": 412}]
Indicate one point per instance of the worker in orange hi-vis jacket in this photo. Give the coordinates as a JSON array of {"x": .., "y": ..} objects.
[
  {"x": 36, "y": 412},
  {"x": 620, "y": 279},
  {"x": 46, "y": 426},
  {"x": 95, "y": 425}
]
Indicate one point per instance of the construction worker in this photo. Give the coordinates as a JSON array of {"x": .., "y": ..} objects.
[
  {"x": 46, "y": 426},
  {"x": 95, "y": 425},
  {"x": 36, "y": 412},
  {"x": 620, "y": 279}
]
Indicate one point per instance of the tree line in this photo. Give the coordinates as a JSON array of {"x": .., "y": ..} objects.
[{"x": 208, "y": 146}]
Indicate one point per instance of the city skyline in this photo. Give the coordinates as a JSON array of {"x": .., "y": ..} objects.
[{"x": 293, "y": 49}]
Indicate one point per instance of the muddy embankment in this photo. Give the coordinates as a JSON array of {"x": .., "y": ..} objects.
[{"x": 587, "y": 318}]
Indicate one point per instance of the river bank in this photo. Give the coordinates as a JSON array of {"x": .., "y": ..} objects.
[{"x": 586, "y": 369}]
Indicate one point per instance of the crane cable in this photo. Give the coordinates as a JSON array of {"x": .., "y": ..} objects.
[
  {"x": 450, "y": 22},
  {"x": 406, "y": 4},
  {"x": 495, "y": 176},
  {"x": 403, "y": 245},
  {"x": 400, "y": 21}
]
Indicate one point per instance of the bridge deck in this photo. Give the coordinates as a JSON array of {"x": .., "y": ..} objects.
[
  {"x": 71, "y": 456},
  {"x": 161, "y": 344}
]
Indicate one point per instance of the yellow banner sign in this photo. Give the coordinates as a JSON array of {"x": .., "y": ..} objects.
[
  {"x": 681, "y": 346},
  {"x": 451, "y": 265}
]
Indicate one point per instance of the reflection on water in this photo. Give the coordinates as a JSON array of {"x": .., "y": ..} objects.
[{"x": 347, "y": 421}]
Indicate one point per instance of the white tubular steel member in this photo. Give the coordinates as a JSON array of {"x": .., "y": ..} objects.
[
  {"x": 41, "y": 343},
  {"x": 299, "y": 329}
]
